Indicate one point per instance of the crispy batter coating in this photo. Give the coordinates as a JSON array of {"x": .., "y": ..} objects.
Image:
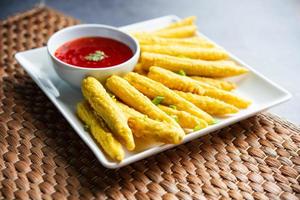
[
  {"x": 139, "y": 69},
  {"x": 179, "y": 32},
  {"x": 187, "y": 51},
  {"x": 141, "y": 126},
  {"x": 144, "y": 143},
  {"x": 132, "y": 97},
  {"x": 185, "y": 119},
  {"x": 162, "y": 132},
  {"x": 106, "y": 108},
  {"x": 110, "y": 145},
  {"x": 192, "y": 66},
  {"x": 174, "y": 81},
  {"x": 208, "y": 104},
  {"x": 184, "y": 22},
  {"x": 152, "y": 89},
  {"x": 218, "y": 83},
  {"x": 130, "y": 112},
  {"x": 187, "y": 84},
  {"x": 226, "y": 96},
  {"x": 150, "y": 39}
]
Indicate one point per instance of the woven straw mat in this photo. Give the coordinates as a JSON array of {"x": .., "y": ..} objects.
[{"x": 41, "y": 157}]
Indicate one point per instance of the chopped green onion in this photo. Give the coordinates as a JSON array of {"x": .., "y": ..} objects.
[
  {"x": 157, "y": 100},
  {"x": 86, "y": 127},
  {"x": 96, "y": 56},
  {"x": 197, "y": 127},
  {"x": 182, "y": 73},
  {"x": 145, "y": 117},
  {"x": 216, "y": 121},
  {"x": 112, "y": 96},
  {"x": 175, "y": 118},
  {"x": 173, "y": 106}
]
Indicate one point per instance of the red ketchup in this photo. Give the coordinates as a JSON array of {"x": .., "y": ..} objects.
[{"x": 93, "y": 52}]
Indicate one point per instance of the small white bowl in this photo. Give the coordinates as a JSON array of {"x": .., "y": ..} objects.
[{"x": 74, "y": 74}]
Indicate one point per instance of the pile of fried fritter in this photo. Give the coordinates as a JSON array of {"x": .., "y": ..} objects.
[{"x": 176, "y": 88}]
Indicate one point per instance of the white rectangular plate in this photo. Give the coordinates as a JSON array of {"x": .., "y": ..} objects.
[{"x": 37, "y": 64}]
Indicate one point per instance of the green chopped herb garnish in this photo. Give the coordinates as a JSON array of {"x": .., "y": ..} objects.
[
  {"x": 145, "y": 117},
  {"x": 181, "y": 72},
  {"x": 173, "y": 106},
  {"x": 197, "y": 127},
  {"x": 157, "y": 100},
  {"x": 96, "y": 56},
  {"x": 216, "y": 121},
  {"x": 112, "y": 96},
  {"x": 86, "y": 127},
  {"x": 175, "y": 118}
]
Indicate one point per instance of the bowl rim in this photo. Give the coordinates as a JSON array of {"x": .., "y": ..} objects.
[{"x": 135, "y": 54}]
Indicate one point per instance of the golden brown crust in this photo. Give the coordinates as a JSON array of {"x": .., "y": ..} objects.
[
  {"x": 192, "y": 66},
  {"x": 152, "y": 89},
  {"x": 208, "y": 104},
  {"x": 187, "y": 51},
  {"x": 150, "y": 39},
  {"x": 185, "y": 119},
  {"x": 187, "y": 84},
  {"x": 105, "y": 107},
  {"x": 142, "y": 126},
  {"x": 218, "y": 83},
  {"x": 184, "y": 22},
  {"x": 178, "y": 32},
  {"x": 174, "y": 81},
  {"x": 110, "y": 145},
  {"x": 132, "y": 97}
]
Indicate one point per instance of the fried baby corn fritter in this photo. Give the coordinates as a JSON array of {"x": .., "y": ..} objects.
[
  {"x": 192, "y": 66},
  {"x": 209, "y": 105},
  {"x": 218, "y": 83},
  {"x": 174, "y": 81},
  {"x": 142, "y": 126},
  {"x": 148, "y": 39},
  {"x": 179, "y": 32},
  {"x": 106, "y": 108},
  {"x": 188, "y": 52},
  {"x": 225, "y": 96},
  {"x": 139, "y": 69},
  {"x": 132, "y": 97},
  {"x": 110, "y": 145},
  {"x": 184, "y": 22},
  {"x": 153, "y": 89},
  {"x": 185, "y": 119},
  {"x": 186, "y": 84}
]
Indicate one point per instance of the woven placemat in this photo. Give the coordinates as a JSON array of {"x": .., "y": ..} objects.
[{"x": 41, "y": 157}]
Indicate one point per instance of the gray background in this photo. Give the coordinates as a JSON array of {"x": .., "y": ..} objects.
[{"x": 263, "y": 33}]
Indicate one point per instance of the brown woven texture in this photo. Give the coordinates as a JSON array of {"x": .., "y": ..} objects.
[{"x": 41, "y": 157}]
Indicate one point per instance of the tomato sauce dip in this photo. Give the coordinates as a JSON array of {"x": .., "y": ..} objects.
[{"x": 94, "y": 52}]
